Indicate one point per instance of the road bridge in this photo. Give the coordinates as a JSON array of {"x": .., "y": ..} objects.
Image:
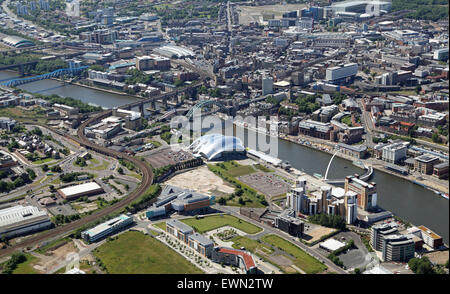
[
  {"x": 20, "y": 66},
  {"x": 54, "y": 74},
  {"x": 174, "y": 96}
]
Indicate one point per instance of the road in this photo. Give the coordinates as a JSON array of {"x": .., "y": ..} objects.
[
  {"x": 147, "y": 180},
  {"x": 13, "y": 15},
  {"x": 370, "y": 127},
  {"x": 331, "y": 266}
]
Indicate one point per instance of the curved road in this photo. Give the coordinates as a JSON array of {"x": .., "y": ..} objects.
[{"x": 147, "y": 180}]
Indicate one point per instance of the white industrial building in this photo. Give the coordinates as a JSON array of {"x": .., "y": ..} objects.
[
  {"x": 339, "y": 73},
  {"x": 372, "y": 7},
  {"x": 440, "y": 54},
  {"x": 21, "y": 220},
  {"x": 331, "y": 245},
  {"x": 76, "y": 191},
  {"x": 216, "y": 146},
  {"x": 106, "y": 228}
]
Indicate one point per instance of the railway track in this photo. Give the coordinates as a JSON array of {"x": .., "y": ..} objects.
[{"x": 147, "y": 180}]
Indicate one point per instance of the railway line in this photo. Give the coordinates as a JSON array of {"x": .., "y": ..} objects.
[{"x": 147, "y": 180}]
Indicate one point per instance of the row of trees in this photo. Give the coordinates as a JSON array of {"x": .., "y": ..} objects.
[
  {"x": 424, "y": 266},
  {"x": 55, "y": 168},
  {"x": 25, "y": 178},
  {"x": 60, "y": 219},
  {"x": 70, "y": 177},
  {"x": 328, "y": 220},
  {"x": 11, "y": 264},
  {"x": 82, "y": 107}
]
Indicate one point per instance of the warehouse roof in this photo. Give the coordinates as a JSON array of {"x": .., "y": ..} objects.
[
  {"x": 106, "y": 225},
  {"x": 332, "y": 245},
  {"x": 83, "y": 188},
  {"x": 20, "y": 214},
  {"x": 17, "y": 41}
]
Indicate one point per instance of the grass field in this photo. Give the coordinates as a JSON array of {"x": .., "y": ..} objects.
[
  {"x": 161, "y": 225},
  {"x": 41, "y": 161},
  {"x": 155, "y": 143},
  {"x": 209, "y": 223},
  {"x": 135, "y": 253},
  {"x": 228, "y": 171},
  {"x": 135, "y": 175},
  {"x": 103, "y": 166},
  {"x": 58, "y": 242},
  {"x": 250, "y": 245},
  {"x": 303, "y": 260},
  {"x": 263, "y": 168},
  {"x": 27, "y": 266}
]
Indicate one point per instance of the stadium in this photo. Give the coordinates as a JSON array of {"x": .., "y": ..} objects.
[{"x": 218, "y": 147}]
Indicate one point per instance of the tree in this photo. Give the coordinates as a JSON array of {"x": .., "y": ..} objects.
[
  {"x": 120, "y": 170},
  {"x": 421, "y": 265},
  {"x": 45, "y": 168},
  {"x": 425, "y": 267},
  {"x": 241, "y": 201},
  {"x": 56, "y": 169},
  {"x": 435, "y": 137},
  {"x": 357, "y": 271},
  {"x": 222, "y": 201}
]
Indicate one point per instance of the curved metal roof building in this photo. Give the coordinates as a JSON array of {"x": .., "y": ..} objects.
[
  {"x": 17, "y": 42},
  {"x": 214, "y": 146}
]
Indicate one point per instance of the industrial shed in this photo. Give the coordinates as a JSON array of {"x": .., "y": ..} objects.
[{"x": 17, "y": 42}]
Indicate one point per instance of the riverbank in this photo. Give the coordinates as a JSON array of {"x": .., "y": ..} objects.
[
  {"x": 99, "y": 89},
  {"x": 329, "y": 148}
]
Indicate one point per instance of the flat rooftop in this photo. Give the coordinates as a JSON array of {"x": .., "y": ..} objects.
[{"x": 82, "y": 188}]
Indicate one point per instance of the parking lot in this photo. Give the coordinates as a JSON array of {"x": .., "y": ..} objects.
[
  {"x": 266, "y": 183},
  {"x": 165, "y": 157}
]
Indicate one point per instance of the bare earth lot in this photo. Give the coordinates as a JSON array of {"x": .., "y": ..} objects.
[{"x": 201, "y": 180}]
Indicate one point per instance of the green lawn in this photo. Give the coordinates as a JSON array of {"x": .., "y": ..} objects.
[
  {"x": 44, "y": 249},
  {"x": 250, "y": 245},
  {"x": 27, "y": 266},
  {"x": 263, "y": 168},
  {"x": 135, "y": 175},
  {"x": 135, "y": 253},
  {"x": 303, "y": 260},
  {"x": 228, "y": 171},
  {"x": 209, "y": 223},
  {"x": 103, "y": 166},
  {"x": 161, "y": 225},
  {"x": 44, "y": 160},
  {"x": 234, "y": 169},
  {"x": 156, "y": 143}
]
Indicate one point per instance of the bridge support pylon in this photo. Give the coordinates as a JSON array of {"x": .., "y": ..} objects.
[{"x": 141, "y": 109}]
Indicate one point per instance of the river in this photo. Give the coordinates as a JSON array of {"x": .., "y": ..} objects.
[{"x": 405, "y": 199}]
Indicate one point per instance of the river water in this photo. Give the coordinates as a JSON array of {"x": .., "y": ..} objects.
[{"x": 405, "y": 199}]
